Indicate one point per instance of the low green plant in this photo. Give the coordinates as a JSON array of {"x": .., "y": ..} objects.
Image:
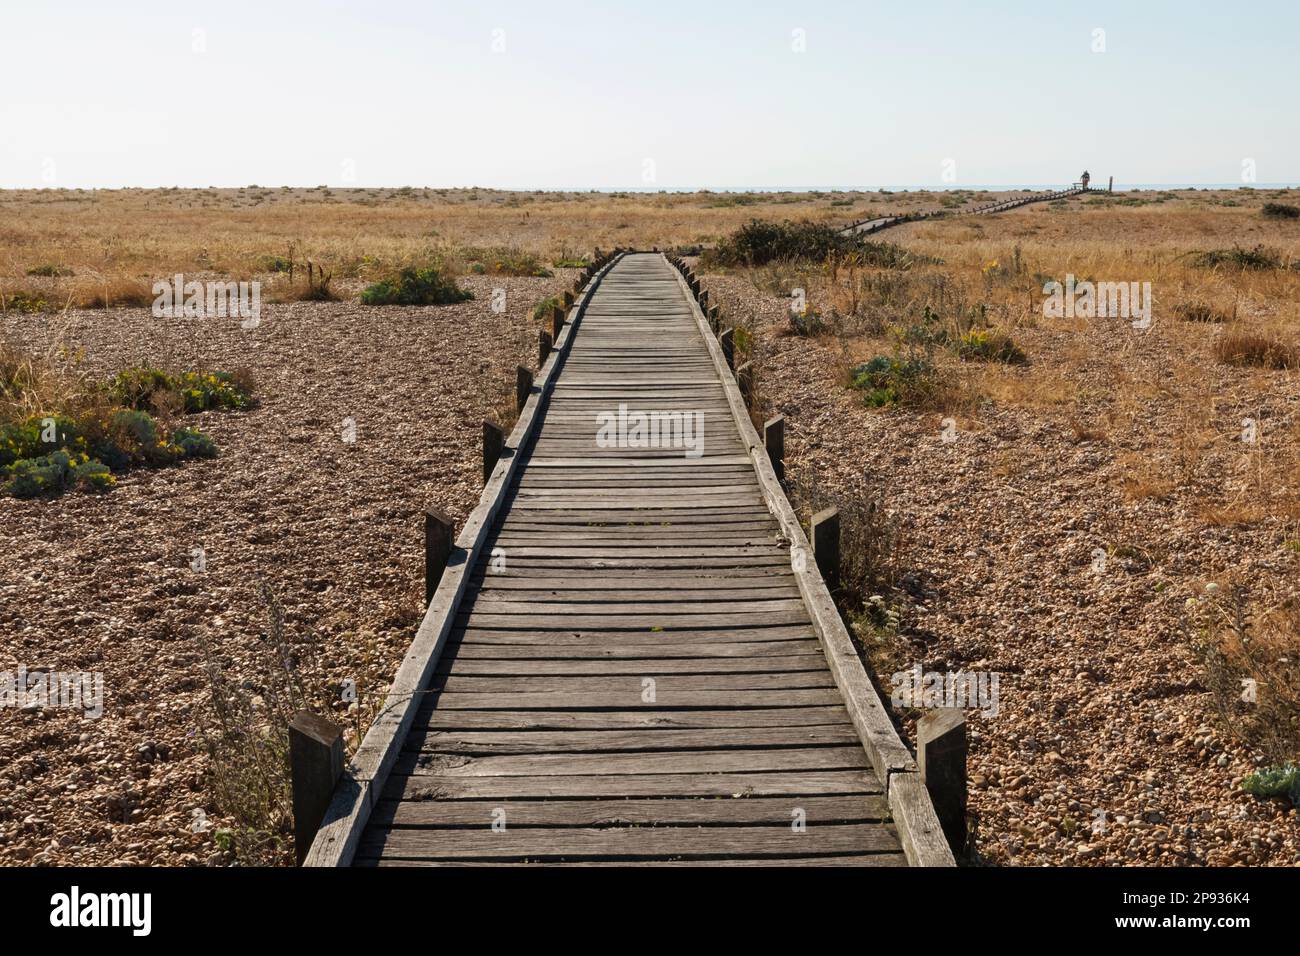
[
  {"x": 23, "y": 302},
  {"x": 148, "y": 388},
  {"x": 808, "y": 323},
  {"x": 1278, "y": 781},
  {"x": 543, "y": 308},
  {"x": 415, "y": 287},
  {"x": 54, "y": 473},
  {"x": 1279, "y": 210},
  {"x": 194, "y": 444},
  {"x": 759, "y": 242},
  {"x": 506, "y": 261},
  {"x": 891, "y": 380},
  {"x": 989, "y": 345},
  {"x": 50, "y": 271},
  {"x": 276, "y": 264},
  {"x": 1257, "y": 259}
]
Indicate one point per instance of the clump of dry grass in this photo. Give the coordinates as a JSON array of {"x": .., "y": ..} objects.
[
  {"x": 246, "y": 741},
  {"x": 1255, "y": 349},
  {"x": 111, "y": 292},
  {"x": 1251, "y": 661},
  {"x": 85, "y": 292},
  {"x": 34, "y": 383},
  {"x": 1203, "y": 312},
  {"x": 312, "y": 287}
]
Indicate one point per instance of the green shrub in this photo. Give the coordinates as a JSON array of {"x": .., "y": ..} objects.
[
  {"x": 276, "y": 264},
  {"x": 1279, "y": 781},
  {"x": 543, "y": 308},
  {"x": 93, "y": 475},
  {"x": 144, "y": 387},
  {"x": 807, "y": 323},
  {"x": 891, "y": 380},
  {"x": 1273, "y": 210},
  {"x": 571, "y": 263},
  {"x": 212, "y": 390},
  {"x": 19, "y": 440},
  {"x": 986, "y": 345},
  {"x": 50, "y": 271},
  {"x": 1257, "y": 259},
  {"x": 47, "y": 475},
  {"x": 415, "y": 287},
  {"x": 759, "y": 242},
  {"x": 194, "y": 444},
  {"x": 27, "y": 439},
  {"x": 506, "y": 261},
  {"x": 138, "y": 387},
  {"x": 24, "y": 302}
]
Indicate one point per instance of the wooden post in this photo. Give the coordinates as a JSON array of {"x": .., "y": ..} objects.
[
  {"x": 438, "y": 535},
  {"x": 745, "y": 380},
  {"x": 715, "y": 317},
  {"x": 494, "y": 440},
  {"x": 315, "y": 765},
  {"x": 543, "y": 347},
  {"x": 941, "y": 756},
  {"x": 704, "y": 300},
  {"x": 727, "y": 339},
  {"x": 523, "y": 386},
  {"x": 826, "y": 546},
  {"x": 557, "y": 323},
  {"x": 568, "y": 300},
  {"x": 774, "y": 441}
]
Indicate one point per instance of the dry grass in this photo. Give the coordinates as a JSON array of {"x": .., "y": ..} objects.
[
  {"x": 1252, "y": 665},
  {"x": 1255, "y": 349}
]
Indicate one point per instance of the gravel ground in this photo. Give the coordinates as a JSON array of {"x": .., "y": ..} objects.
[
  {"x": 105, "y": 582},
  {"x": 1101, "y": 709}
]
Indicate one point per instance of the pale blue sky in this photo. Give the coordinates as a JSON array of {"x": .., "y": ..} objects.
[{"x": 390, "y": 93}]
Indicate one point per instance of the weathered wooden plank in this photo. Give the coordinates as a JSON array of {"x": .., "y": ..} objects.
[
  {"x": 864, "y": 808},
  {"x": 561, "y": 700},
  {"x": 769, "y": 664},
  {"x": 520, "y": 632},
  {"x": 665, "y": 620},
  {"x": 854, "y": 860},
  {"x": 750, "y": 653},
  {"x": 665, "y": 683},
  {"x": 430, "y": 718},
  {"x": 738, "y": 785},
  {"x": 484, "y": 743},
  {"x": 614, "y": 606},
  {"x": 629, "y": 842}
]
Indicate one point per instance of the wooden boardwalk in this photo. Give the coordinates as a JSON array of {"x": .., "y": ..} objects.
[
  {"x": 867, "y": 226},
  {"x": 631, "y": 674}
]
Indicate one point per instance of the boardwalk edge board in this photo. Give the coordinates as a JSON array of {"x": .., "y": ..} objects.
[
  {"x": 909, "y": 801},
  {"x": 363, "y": 780}
]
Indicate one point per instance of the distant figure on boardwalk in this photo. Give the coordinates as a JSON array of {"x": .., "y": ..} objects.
[{"x": 1083, "y": 180}]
